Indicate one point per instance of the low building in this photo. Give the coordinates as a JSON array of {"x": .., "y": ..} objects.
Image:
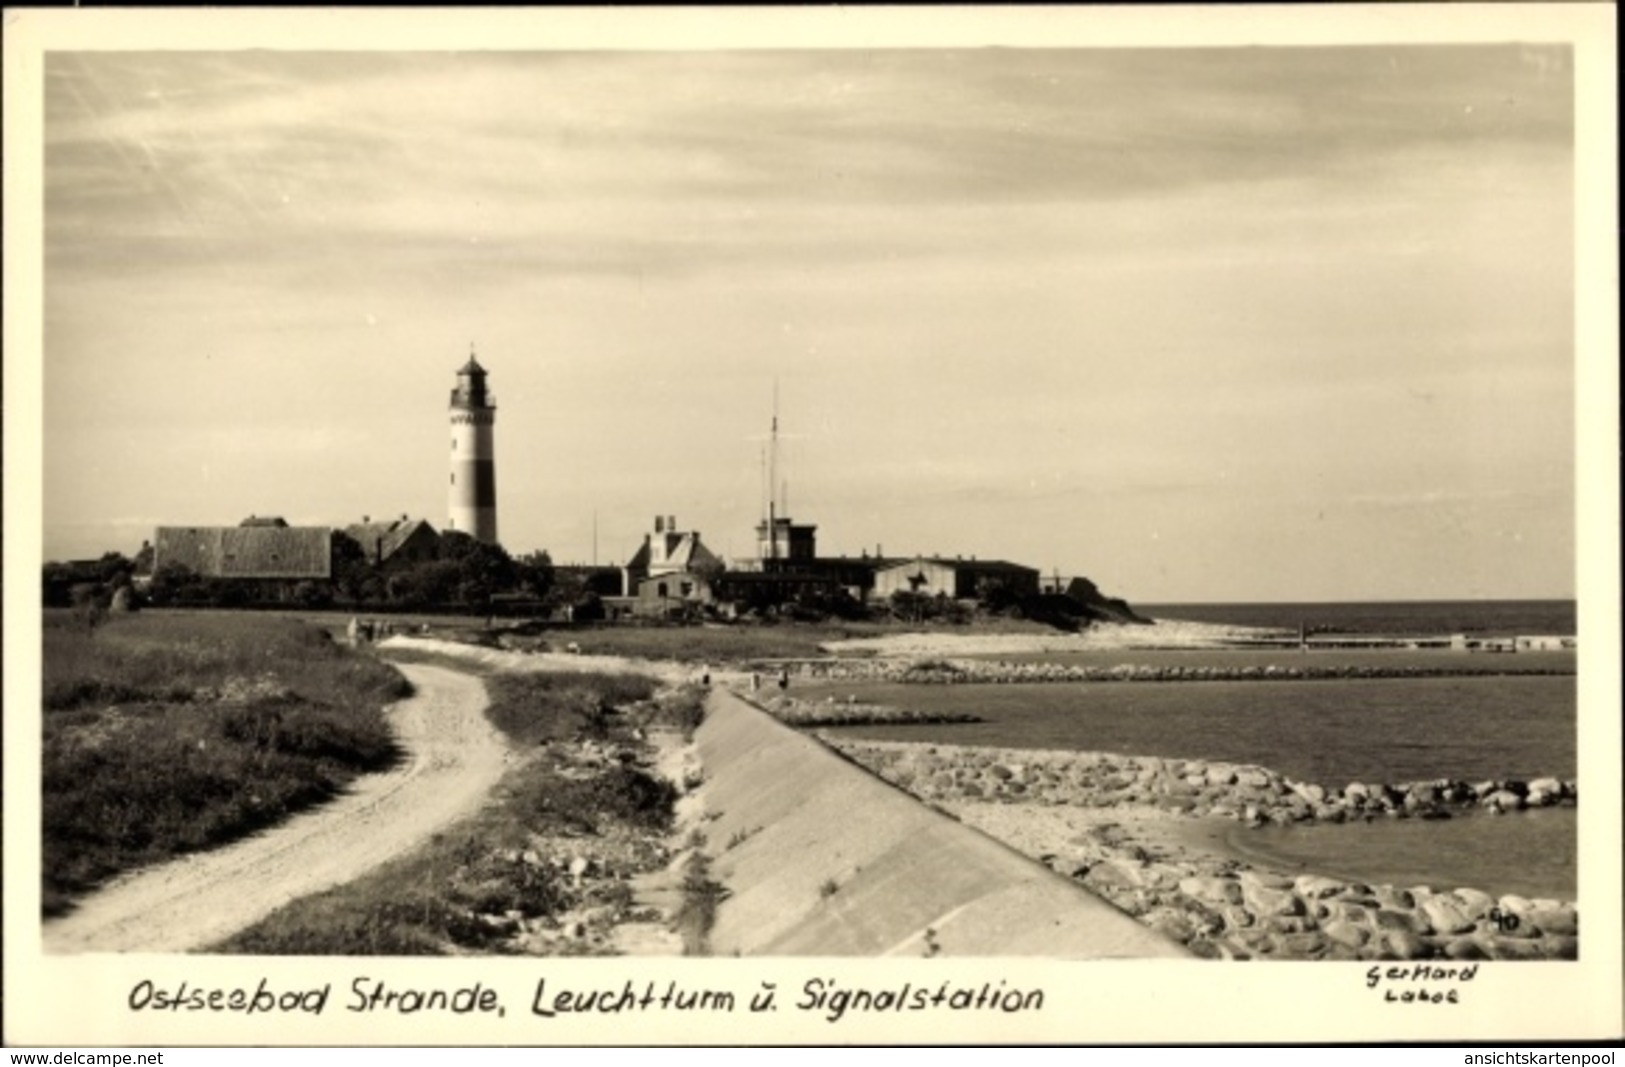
[{"x": 958, "y": 579}]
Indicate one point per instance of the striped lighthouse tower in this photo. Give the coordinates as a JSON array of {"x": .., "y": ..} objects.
[{"x": 473, "y": 459}]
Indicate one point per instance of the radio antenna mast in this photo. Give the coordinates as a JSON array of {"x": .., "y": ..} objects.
[{"x": 773, "y": 480}]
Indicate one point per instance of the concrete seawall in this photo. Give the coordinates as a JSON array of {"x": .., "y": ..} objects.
[{"x": 823, "y": 859}]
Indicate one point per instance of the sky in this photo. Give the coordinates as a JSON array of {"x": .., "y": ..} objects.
[{"x": 1202, "y": 324}]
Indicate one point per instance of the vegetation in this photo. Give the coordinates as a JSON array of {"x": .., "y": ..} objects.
[
  {"x": 168, "y": 734},
  {"x": 697, "y": 913},
  {"x": 542, "y": 869}
]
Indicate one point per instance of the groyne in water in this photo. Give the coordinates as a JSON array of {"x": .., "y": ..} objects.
[
  {"x": 1000, "y": 672},
  {"x": 819, "y": 857}
]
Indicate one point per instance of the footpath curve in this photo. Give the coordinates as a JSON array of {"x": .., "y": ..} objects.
[
  {"x": 820, "y": 858},
  {"x": 453, "y": 758}
]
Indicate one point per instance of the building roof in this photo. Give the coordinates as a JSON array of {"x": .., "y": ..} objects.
[
  {"x": 247, "y": 551},
  {"x": 381, "y": 540}
]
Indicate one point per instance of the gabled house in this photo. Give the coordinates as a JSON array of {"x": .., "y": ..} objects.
[
  {"x": 404, "y": 539},
  {"x": 679, "y": 556}
]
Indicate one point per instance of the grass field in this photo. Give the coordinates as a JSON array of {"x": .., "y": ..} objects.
[{"x": 164, "y": 734}]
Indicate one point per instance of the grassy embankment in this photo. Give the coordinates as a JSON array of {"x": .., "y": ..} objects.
[
  {"x": 545, "y": 867},
  {"x": 169, "y": 734}
]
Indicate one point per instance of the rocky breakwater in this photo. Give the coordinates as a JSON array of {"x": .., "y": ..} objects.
[{"x": 1103, "y": 818}]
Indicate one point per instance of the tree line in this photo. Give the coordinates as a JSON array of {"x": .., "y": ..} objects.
[{"x": 463, "y": 573}]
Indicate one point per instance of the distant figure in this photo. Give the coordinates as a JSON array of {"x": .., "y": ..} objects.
[
  {"x": 353, "y": 631},
  {"x": 705, "y": 679},
  {"x": 784, "y": 678},
  {"x": 755, "y": 681}
]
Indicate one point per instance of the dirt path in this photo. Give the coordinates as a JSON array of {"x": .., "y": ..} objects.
[{"x": 454, "y": 757}]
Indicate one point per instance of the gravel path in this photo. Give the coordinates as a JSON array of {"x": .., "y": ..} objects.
[{"x": 454, "y": 757}]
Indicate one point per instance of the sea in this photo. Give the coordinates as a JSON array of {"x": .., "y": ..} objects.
[
  {"x": 1403, "y": 618},
  {"x": 1474, "y": 726}
]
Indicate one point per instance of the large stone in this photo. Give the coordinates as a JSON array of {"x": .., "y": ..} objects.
[
  {"x": 1117, "y": 873},
  {"x": 1504, "y": 948},
  {"x": 1310, "y": 945},
  {"x": 1503, "y": 800},
  {"x": 1212, "y": 890},
  {"x": 1397, "y": 899},
  {"x": 1465, "y": 948},
  {"x": 1475, "y": 903},
  {"x": 1446, "y": 916},
  {"x": 1264, "y": 880},
  {"x": 1257, "y": 778},
  {"x": 1315, "y": 886},
  {"x": 1221, "y": 774},
  {"x": 1561, "y": 948},
  {"x": 1389, "y": 919},
  {"x": 1407, "y": 945},
  {"x": 1312, "y": 794},
  {"x": 1562, "y": 921},
  {"x": 1333, "y": 910},
  {"x": 1266, "y": 902},
  {"x": 1347, "y": 933}
]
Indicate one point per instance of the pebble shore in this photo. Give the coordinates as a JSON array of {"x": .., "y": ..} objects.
[{"x": 1103, "y": 819}]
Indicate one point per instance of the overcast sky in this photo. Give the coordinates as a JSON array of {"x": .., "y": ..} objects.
[{"x": 1227, "y": 324}]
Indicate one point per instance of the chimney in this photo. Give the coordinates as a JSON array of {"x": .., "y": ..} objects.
[
  {"x": 660, "y": 524},
  {"x": 671, "y": 523},
  {"x": 366, "y": 518}
]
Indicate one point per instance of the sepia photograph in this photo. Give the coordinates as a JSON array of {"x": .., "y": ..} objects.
[{"x": 930, "y": 525}]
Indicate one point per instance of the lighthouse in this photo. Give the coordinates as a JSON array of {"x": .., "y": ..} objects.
[{"x": 473, "y": 459}]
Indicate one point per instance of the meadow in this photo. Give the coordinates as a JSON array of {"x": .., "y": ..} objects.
[{"x": 166, "y": 734}]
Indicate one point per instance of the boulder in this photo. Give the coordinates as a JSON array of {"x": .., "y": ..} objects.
[
  {"x": 1212, "y": 890},
  {"x": 1316, "y": 886},
  {"x": 1266, "y": 903},
  {"x": 1561, "y": 948},
  {"x": 1446, "y": 916},
  {"x": 1258, "y": 778},
  {"x": 1503, "y": 800},
  {"x": 1407, "y": 945},
  {"x": 1475, "y": 903},
  {"x": 1346, "y": 933},
  {"x": 1465, "y": 948},
  {"x": 1505, "y": 948},
  {"x": 1396, "y": 899},
  {"x": 1389, "y": 919},
  {"x": 1561, "y": 921}
]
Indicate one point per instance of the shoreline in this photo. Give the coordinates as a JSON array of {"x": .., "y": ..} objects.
[{"x": 1123, "y": 828}]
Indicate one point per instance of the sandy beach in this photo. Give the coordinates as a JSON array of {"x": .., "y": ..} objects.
[{"x": 1163, "y": 633}]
